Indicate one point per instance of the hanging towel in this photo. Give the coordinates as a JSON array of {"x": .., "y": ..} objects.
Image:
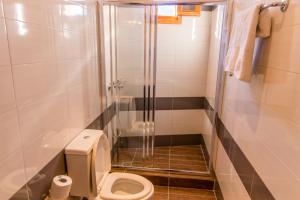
[
  {"x": 264, "y": 24},
  {"x": 246, "y": 24}
]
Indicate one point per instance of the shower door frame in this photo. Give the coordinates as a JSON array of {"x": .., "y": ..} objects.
[
  {"x": 220, "y": 74},
  {"x": 150, "y": 63}
]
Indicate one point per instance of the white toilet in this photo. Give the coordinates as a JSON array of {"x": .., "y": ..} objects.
[{"x": 89, "y": 165}]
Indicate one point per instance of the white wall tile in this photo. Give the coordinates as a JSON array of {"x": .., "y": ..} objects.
[
  {"x": 78, "y": 110},
  {"x": 182, "y": 123},
  {"x": 7, "y": 97},
  {"x": 10, "y": 136},
  {"x": 4, "y": 52},
  {"x": 72, "y": 16},
  {"x": 165, "y": 61},
  {"x": 26, "y": 11},
  {"x": 165, "y": 76},
  {"x": 289, "y": 18},
  {"x": 1, "y": 9},
  {"x": 12, "y": 174},
  {"x": 165, "y": 89},
  {"x": 37, "y": 80},
  {"x": 73, "y": 45},
  {"x": 41, "y": 117},
  {"x": 188, "y": 88},
  {"x": 42, "y": 149},
  {"x": 29, "y": 43},
  {"x": 282, "y": 51},
  {"x": 53, "y": 14},
  {"x": 229, "y": 181},
  {"x": 163, "y": 122},
  {"x": 193, "y": 73}
]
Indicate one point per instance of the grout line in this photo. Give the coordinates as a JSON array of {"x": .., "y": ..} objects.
[
  {"x": 169, "y": 159},
  {"x": 168, "y": 190},
  {"x": 136, "y": 149},
  {"x": 215, "y": 194},
  {"x": 204, "y": 158},
  {"x": 169, "y": 170}
]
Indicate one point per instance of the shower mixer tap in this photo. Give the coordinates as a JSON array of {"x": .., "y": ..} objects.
[{"x": 117, "y": 84}]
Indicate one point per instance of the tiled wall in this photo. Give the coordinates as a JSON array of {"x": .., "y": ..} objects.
[
  {"x": 182, "y": 56},
  {"x": 228, "y": 179},
  {"x": 263, "y": 116},
  {"x": 48, "y": 83},
  {"x": 182, "y": 59}
]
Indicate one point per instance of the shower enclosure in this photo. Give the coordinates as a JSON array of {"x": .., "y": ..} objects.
[{"x": 161, "y": 84}]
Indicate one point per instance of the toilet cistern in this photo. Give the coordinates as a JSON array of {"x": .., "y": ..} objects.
[{"x": 89, "y": 166}]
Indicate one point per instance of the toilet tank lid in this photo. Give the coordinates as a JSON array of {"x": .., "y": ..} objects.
[{"x": 84, "y": 142}]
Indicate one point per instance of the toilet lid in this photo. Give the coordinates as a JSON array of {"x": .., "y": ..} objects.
[{"x": 112, "y": 179}]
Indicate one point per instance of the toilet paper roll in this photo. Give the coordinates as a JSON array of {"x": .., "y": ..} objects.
[{"x": 60, "y": 187}]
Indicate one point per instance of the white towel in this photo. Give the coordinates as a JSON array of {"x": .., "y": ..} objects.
[
  {"x": 246, "y": 24},
  {"x": 264, "y": 24}
]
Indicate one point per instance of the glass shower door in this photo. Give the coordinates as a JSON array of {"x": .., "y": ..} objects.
[{"x": 131, "y": 42}]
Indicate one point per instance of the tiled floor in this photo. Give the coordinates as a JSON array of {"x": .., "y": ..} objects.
[
  {"x": 187, "y": 158},
  {"x": 176, "y": 193}
]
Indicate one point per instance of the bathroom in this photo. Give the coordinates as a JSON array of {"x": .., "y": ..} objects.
[{"x": 146, "y": 91}]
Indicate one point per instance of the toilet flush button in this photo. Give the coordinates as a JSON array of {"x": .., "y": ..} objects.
[{"x": 86, "y": 137}]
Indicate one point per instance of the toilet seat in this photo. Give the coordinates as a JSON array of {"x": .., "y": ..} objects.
[{"x": 116, "y": 179}]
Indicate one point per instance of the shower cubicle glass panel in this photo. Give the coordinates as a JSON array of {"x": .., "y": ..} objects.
[
  {"x": 130, "y": 65},
  {"x": 161, "y": 78}
]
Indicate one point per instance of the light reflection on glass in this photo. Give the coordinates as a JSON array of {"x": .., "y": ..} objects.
[
  {"x": 218, "y": 23},
  {"x": 133, "y": 22},
  {"x": 194, "y": 30},
  {"x": 22, "y": 30},
  {"x": 167, "y": 10},
  {"x": 66, "y": 34},
  {"x": 72, "y": 10},
  {"x": 19, "y": 11}
]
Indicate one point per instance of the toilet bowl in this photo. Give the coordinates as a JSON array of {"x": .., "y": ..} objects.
[
  {"x": 89, "y": 166},
  {"x": 125, "y": 186}
]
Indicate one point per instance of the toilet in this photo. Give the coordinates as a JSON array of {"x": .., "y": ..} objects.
[{"x": 89, "y": 166}]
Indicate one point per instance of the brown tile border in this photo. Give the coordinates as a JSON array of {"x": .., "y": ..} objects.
[
  {"x": 38, "y": 187},
  {"x": 162, "y": 103},
  {"x": 251, "y": 180},
  {"x": 41, "y": 182},
  {"x": 104, "y": 118},
  {"x": 249, "y": 177},
  {"x": 21, "y": 194},
  {"x": 218, "y": 191},
  {"x": 191, "y": 183},
  {"x": 209, "y": 111},
  {"x": 168, "y": 103}
]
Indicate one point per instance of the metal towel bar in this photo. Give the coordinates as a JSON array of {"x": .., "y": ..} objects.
[{"x": 282, "y": 4}]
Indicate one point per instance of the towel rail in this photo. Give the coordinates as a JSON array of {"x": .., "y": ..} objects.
[{"x": 282, "y": 4}]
